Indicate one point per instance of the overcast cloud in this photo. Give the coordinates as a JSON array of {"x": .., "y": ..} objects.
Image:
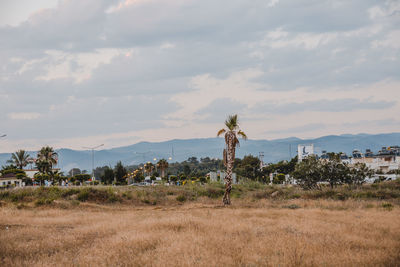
[{"x": 78, "y": 73}]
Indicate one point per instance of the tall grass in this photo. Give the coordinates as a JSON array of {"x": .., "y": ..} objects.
[
  {"x": 165, "y": 195},
  {"x": 296, "y": 232}
]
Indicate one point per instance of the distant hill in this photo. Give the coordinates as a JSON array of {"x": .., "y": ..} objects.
[{"x": 179, "y": 150}]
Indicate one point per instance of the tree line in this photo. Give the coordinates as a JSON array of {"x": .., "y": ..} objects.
[{"x": 310, "y": 173}]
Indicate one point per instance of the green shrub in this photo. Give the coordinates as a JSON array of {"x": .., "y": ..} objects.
[
  {"x": 40, "y": 202},
  {"x": 387, "y": 206},
  {"x": 69, "y": 192},
  {"x": 43, "y": 201},
  {"x": 83, "y": 195},
  {"x": 212, "y": 192},
  {"x": 181, "y": 198}
]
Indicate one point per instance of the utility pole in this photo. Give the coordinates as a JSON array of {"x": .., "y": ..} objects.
[
  {"x": 261, "y": 158},
  {"x": 143, "y": 155},
  {"x": 93, "y": 148}
]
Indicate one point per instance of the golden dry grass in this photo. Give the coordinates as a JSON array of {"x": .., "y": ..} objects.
[{"x": 265, "y": 233}]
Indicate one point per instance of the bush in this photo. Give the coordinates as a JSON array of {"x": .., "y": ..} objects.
[
  {"x": 181, "y": 198},
  {"x": 43, "y": 201},
  {"x": 83, "y": 195},
  {"x": 279, "y": 179},
  {"x": 387, "y": 206},
  {"x": 97, "y": 195},
  {"x": 212, "y": 192},
  {"x": 69, "y": 192}
]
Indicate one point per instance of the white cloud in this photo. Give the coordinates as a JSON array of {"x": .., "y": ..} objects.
[
  {"x": 153, "y": 69},
  {"x": 167, "y": 45},
  {"x": 391, "y": 40},
  {"x": 272, "y": 3},
  {"x": 24, "y": 115},
  {"x": 279, "y": 38},
  {"x": 76, "y": 66}
]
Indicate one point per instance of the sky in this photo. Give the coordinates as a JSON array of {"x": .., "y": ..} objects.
[{"x": 79, "y": 73}]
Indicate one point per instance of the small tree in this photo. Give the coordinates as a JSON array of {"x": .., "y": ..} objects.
[
  {"x": 334, "y": 171},
  {"x": 120, "y": 173},
  {"x": 308, "y": 173},
  {"x": 138, "y": 176},
  {"x": 358, "y": 173},
  {"x": 148, "y": 168},
  {"x": 162, "y": 165},
  {"x": 186, "y": 169},
  {"x": 82, "y": 177},
  {"x": 108, "y": 176}
]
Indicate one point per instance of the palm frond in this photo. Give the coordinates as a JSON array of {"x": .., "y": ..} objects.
[
  {"x": 242, "y": 134},
  {"x": 236, "y": 142},
  {"x": 221, "y": 132},
  {"x": 232, "y": 122}
]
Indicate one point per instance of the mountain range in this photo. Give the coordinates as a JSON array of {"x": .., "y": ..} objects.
[{"x": 179, "y": 150}]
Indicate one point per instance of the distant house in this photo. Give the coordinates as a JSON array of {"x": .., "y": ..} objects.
[
  {"x": 9, "y": 180},
  {"x": 386, "y": 160}
]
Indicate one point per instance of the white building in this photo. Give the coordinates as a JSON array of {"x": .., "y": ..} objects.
[
  {"x": 304, "y": 151},
  {"x": 9, "y": 180}
]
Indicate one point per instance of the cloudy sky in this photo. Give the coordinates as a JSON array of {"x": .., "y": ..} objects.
[{"x": 79, "y": 73}]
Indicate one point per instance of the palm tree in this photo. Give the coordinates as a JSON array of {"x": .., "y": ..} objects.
[
  {"x": 148, "y": 167},
  {"x": 231, "y": 141},
  {"x": 162, "y": 164},
  {"x": 46, "y": 158},
  {"x": 20, "y": 159}
]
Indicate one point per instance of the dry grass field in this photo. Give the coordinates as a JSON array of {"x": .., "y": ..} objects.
[{"x": 297, "y": 232}]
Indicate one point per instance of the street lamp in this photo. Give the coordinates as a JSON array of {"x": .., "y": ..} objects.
[{"x": 93, "y": 148}]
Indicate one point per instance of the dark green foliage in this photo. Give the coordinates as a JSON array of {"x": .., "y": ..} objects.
[
  {"x": 285, "y": 167},
  {"x": 186, "y": 169},
  {"x": 108, "y": 176},
  {"x": 181, "y": 198},
  {"x": 248, "y": 167},
  {"x": 358, "y": 173},
  {"x": 212, "y": 192},
  {"x": 387, "y": 206},
  {"x": 308, "y": 173},
  {"x": 311, "y": 172},
  {"x": 388, "y": 191},
  {"x": 279, "y": 179},
  {"x": 120, "y": 173},
  {"x": 81, "y": 178},
  {"x": 333, "y": 170}
]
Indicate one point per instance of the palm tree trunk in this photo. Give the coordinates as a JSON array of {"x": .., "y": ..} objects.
[{"x": 230, "y": 142}]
